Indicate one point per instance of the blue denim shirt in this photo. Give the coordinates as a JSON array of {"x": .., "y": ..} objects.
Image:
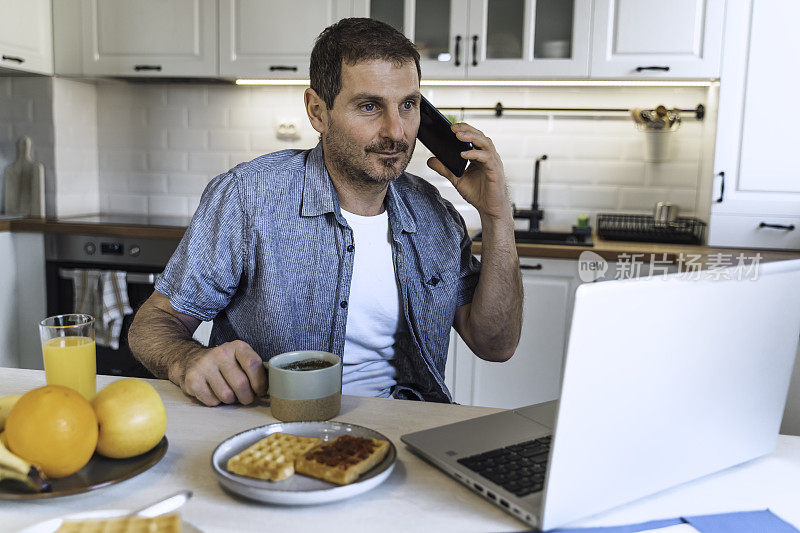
[{"x": 269, "y": 257}]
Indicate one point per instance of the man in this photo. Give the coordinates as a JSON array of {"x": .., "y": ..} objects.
[{"x": 338, "y": 249}]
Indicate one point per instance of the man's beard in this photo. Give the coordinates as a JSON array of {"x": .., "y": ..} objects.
[{"x": 356, "y": 163}]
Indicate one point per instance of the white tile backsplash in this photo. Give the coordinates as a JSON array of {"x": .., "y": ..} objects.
[
  {"x": 642, "y": 198},
  {"x": 126, "y": 204},
  {"x": 75, "y": 126},
  {"x": 151, "y": 148},
  {"x": 120, "y": 160},
  {"x": 192, "y": 184},
  {"x": 208, "y": 117},
  {"x": 168, "y": 205},
  {"x": 167, "y": 116},
  {"x": 186, "y": 139},
  {"x": 147, "y": 183},
  {"x": 208, "y": 163},
  {"x": 229, "y": 140},
  {"x": 167, "y": 161}
]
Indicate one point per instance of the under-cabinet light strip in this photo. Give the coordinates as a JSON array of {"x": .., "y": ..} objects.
[{"x": 518, "y": 83}]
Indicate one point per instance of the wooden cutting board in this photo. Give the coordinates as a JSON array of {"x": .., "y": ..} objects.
[{"x": 23, "y": 183}]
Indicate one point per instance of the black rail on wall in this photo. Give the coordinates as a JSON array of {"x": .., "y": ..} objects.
[{"x": 499, "y": 109}]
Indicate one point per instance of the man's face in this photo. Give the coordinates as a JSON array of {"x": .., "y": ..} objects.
[{"x": 373, "y": 124}]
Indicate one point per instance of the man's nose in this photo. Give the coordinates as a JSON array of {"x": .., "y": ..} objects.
[{"x": 392, "y": 127}]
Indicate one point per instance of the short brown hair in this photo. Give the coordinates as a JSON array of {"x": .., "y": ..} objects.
[{"x": 353, "y": 40}]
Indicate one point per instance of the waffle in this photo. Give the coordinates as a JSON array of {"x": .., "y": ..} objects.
[
  {"x": 343, "y": 459},
  {"x": 166, "y": 523},
  {"x": 271, "y": 458}
]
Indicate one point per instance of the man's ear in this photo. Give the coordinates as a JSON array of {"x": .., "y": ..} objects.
[{"x": 317, "y": 110}]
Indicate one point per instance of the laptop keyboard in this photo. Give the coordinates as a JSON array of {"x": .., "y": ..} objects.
[{"x": 519, "y": 468}]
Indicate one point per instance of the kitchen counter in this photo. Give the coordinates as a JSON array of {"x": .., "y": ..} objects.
[
  {"x": 108, "y": 225},
  {"x": 415, "y": 497},
  {"x": 174, "y": 228},
  {"x": 612, "y": 250}
]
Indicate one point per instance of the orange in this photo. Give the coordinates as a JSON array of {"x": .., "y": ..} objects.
[{"x": 53, "y": 427}]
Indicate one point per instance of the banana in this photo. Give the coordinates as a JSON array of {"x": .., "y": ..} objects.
[
  {"x": 13, "y": 467},
  {"x": 6, "y": 403}
]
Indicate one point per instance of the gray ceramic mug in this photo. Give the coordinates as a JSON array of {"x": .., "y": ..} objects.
[{"x": 304, "y": 394}]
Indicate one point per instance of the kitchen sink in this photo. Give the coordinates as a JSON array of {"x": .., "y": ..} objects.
[{"x": 568, "y": 238}]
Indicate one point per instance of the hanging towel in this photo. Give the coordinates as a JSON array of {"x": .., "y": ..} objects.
[{"x": 102, "y": 294}]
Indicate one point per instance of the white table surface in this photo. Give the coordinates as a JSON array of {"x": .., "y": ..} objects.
[{"x": 415, "y": 497}]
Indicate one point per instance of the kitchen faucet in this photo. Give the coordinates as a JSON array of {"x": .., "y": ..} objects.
[{"x": 534, "y": 215}]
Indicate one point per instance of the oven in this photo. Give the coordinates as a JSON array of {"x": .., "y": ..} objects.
[{"x": 141, "y": 258}]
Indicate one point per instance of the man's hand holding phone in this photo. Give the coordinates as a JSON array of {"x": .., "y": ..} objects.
[{"x": 483, "y": 183}]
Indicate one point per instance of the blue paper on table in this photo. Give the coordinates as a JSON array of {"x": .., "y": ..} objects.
[{"x": 743, "y": 522}]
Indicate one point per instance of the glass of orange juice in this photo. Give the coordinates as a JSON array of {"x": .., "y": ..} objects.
[{"x": 69, "y": 352}]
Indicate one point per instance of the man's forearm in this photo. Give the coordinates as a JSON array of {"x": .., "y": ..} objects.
[
  {"x": 495, "y": 318},
  {"x": 162, "y": 343}
]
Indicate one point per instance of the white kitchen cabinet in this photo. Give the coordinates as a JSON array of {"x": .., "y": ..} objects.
[
  {"x": 756, "y": 197},
  {"x": 22, "y": 299},
  {"x": 478, "y": 39},
  {"x": 533, "y": 374},
  {"x": 26, "y": 36},
  {"x": 150, "y": 38},
  {"x": 657, "y": 39},
  {"x": 31, "y": 299},
  {"x": 439, "y": 29},
  {"x": 273, "y": 39},
  {"x": 528, "y": 38},
  {"x": 8, "y": 275},
  {"x": 450, "y": 366},
  {"x": 791, "y": 414}
]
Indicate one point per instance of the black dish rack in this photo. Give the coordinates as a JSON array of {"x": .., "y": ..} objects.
[{"x": 683, "y": 230}]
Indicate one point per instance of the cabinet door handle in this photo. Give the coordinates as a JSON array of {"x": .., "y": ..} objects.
[
  {"x": 721, "y": 187},
  {"x": 474, "y": 50},
  {"x": 790, "y": 227},
  {"x": 537, "y": 266},
  {"x": 458, "y": 51},
  {"x": 139, "y": 68},
  {"x": 19, "y": 60},
  {"x": 653, "y": 67},
  {"x": 290, "y": 68}
]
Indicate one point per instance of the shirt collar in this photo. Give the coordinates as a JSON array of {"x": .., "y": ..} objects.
[
  {"x": 397, "y": 207},
  {"x": 319, "y": 195}
]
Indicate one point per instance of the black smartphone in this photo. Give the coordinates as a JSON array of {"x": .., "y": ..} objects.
[{"x": 435, "y": 133}]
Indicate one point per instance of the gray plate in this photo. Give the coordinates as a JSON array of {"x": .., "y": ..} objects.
[
  {"x": 98, "y": 473},
  {"x": 299, "y": 489}
]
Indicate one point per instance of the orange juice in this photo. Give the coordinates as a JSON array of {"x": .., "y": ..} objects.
[{"x": 70, "y": 361}]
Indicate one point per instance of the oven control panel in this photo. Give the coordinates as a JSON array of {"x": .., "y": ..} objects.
[
  {"x": 112, "y": 248},
  {"x": 109, "y": 250}
]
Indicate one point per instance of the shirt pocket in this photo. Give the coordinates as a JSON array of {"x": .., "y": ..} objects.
[{"x": 433, "y": 292}]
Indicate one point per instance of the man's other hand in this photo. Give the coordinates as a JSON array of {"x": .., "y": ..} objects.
[{"x": 227, "y": 373}]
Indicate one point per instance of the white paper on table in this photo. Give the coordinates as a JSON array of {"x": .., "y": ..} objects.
[{"x": 680, "y": 528}]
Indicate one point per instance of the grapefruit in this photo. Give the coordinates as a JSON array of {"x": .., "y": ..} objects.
[{"x": 131, "y": 416}]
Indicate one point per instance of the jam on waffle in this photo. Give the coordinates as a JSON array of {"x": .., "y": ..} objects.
[{"x": 343, "y": 459}]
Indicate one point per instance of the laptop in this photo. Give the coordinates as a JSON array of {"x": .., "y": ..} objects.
[{"x": 665, "y": 380}]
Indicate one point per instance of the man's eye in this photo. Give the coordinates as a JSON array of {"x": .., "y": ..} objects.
[
  {"x": 369, "y": 108},
  {"x": 408, "y": 106}
]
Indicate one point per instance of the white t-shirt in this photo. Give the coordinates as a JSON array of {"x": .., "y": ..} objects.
[{"x": 373, "y": 314}]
